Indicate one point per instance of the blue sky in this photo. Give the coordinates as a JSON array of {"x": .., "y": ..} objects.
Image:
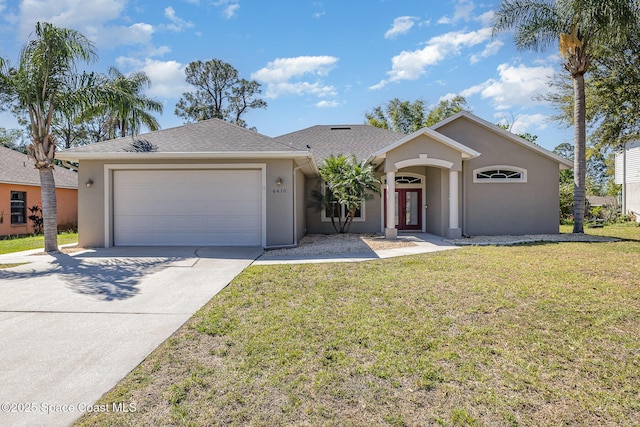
[{"x": 319, "y": 62}]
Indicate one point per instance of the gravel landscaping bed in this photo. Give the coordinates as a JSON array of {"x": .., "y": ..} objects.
[{"x": 326, "y": 244}]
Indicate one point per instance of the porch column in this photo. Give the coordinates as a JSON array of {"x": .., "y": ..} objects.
[
  {"x": 390, "y": 231},
  {"x": 454, "y": 231}
]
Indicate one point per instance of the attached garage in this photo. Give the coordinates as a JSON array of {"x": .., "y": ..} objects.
[{"x": 186, "y": 207}]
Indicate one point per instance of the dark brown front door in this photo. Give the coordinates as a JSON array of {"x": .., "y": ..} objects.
[{"x": 408, "y": 209}]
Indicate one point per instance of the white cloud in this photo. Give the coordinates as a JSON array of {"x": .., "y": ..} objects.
[
  {"x": 285, "y": 76},
  {"x": 523, "y": 123},
  {"x": 490, "y": 49},
  {"x": 327, "y": 104},
  {"x": 486, "y": 18},
  {"x": 410, "y": 65},
  {"x": 229, "y": 7},
  {"x": 167, "y": 77},
  {"x": 88, "y": 17},
  {"x": 401, "y": 25},
  {"x": 138, "y": 33},
  {"x": 177, "y": 24},
  {"x": 2, "y": 5},
  {"x": 517, "y": 85},
  {"x": 462, "y": 12},
  {"x": 447, "y": 97}
]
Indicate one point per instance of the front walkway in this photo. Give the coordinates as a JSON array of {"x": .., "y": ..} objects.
[{"x": 424, "y": 243}]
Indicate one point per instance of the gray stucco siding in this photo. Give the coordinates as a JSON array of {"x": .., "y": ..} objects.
[
  {"x": 420, "y": 146},
  {"x": 508, "y": 207}
]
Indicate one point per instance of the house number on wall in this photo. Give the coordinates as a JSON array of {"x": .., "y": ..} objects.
[{"x": 279, "y": 190}]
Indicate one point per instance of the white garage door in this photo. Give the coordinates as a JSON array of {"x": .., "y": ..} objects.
[{"x": 187, "y": 207}]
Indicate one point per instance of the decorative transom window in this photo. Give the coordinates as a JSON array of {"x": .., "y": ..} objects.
[
  {"x": 405, "y": 179},
  {"x": 494, "y": 174}
]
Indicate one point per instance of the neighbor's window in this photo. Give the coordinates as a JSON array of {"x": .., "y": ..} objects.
[
  {"x": 495, "y": 174},
  {"x": 339, "y": 211},
  {"x": 18, "y": 207}
]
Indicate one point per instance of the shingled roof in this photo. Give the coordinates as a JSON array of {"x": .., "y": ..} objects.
[
  {"x": 17, "y": 168},
  {"x": 207, "y": 136},
  {"x": 326, "y": 140}
]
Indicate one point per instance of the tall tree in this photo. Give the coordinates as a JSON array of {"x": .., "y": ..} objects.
[
  {"x": 579, "y": 26},
  {"x": 219, "y": 93},
  {"x": 132, "y": 109},
  {"x": 36, "y": 86},
  {"x": 446, "y": 108},
  {"x": 407, "y": 117}
]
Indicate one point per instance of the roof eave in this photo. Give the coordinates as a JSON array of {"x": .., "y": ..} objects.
[
  {"x": 563, "y": 163},
  {"x": 31, "y": 184},
  {"x": 71, "y": 156}
]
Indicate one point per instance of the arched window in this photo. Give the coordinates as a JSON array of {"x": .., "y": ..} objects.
[
  {"x": 499, "y": 173},
  {"x": 406, "y": 179}
]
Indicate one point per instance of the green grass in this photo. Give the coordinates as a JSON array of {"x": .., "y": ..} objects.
[
  {"x": 11, "y": 265},
  {"x": 19, "y": 244},
  {"x": 542, "y": 334},
  {"x": 627, "y": 230}
]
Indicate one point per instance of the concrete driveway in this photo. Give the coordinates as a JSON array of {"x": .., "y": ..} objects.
[{"x": 72, "y": 326}]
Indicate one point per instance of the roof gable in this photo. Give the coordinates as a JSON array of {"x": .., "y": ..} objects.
[
  {"x": 18, "y": 168},
  {"x": 207, "y": 136},
  {"x": 562, "y": 162},
  {"x": 466, "y": 152}
]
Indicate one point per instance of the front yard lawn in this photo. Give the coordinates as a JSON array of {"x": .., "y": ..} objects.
[
  {"x": 19, "y": 244},
  {"x": 541, "y": 334}
]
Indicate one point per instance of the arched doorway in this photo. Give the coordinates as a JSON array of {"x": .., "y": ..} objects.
[{"x": 409, "y": 202}]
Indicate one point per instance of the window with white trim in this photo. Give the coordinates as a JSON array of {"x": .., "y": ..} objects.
[
  {"x": 499, "y": 173},
  {"x": 340, "y": 211},
  {"x": 18, "y": 207}
]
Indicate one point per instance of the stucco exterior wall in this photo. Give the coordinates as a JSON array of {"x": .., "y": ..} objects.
[
  {"x": 423, "y": 145},
  {"x": 506, "y": 208},
  {"x": 67, "y": 202},
  {"x": 279, "y": 199},
  {"x": 301, "y": 210},
  {"x": 437, "y": 201}
]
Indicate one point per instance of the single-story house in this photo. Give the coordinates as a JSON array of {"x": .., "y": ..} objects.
[
  {"x": 627, "y": 169},
  {"x": 214, "y": 183},
  {"x": 20, "y": 190}
]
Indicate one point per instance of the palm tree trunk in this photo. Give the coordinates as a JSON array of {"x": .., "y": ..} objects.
[
  {"x": 579, "y": 155},
  {"x": 49, "y": 209}
]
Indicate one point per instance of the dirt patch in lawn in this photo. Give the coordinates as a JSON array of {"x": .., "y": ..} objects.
[{"x": 324, "y": 244}]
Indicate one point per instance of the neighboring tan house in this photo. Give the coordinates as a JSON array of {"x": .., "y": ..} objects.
[
  {"x": 20, "y": 190},
  {"x": 629, "y": 161},
  {"x": 214, "y": 183}
]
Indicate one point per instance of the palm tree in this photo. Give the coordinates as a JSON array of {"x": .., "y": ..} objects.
[
  {"x": 35, "y": 86},
  {"x": 348, "y": 183},
  {"x": 579, "y": 26},
  {"x": 132, "y": 109}
]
